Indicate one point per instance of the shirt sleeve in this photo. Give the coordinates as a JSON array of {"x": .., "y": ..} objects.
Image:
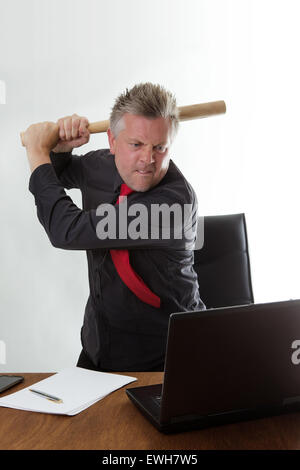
[
  {"x": 69, "y": 227},
  {"x": 68, "y": 169}
]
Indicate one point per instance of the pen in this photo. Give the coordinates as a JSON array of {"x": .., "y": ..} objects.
[{"x": 46, "y": 395}]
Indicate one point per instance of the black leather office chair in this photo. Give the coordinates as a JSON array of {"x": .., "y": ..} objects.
[{"x": 222, "y": 264}]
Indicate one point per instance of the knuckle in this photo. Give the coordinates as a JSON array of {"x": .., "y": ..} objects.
[{"x": 75, "y": 121}]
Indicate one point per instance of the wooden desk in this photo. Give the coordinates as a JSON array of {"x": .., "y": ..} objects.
[{"x": 114, "y": 423}]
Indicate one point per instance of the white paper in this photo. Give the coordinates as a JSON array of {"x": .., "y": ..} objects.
[{"x": 78, "y": 388}]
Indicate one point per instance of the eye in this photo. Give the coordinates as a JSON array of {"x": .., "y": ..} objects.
[
  {"x": 134, "y": 145},
  {"x": 161, "y": 148}
]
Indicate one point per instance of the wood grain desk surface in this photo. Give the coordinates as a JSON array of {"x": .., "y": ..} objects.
[{"x": 114, "y": 423}]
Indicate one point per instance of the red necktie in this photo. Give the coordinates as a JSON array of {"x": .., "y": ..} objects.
[{"x": 121, "y": 261}]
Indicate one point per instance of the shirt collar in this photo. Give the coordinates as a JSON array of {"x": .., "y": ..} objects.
[{"x": 117, "y": 181}]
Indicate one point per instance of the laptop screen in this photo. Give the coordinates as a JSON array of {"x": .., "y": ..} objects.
[{"x": 233, "y": 358}]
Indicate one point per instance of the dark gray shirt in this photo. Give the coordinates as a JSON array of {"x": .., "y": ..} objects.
[{"x": 120, "y": 332}]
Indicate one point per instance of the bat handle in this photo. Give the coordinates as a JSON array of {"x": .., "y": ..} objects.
[{"x": 94, "y": 128}]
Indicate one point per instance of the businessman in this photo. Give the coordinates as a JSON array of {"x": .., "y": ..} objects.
[{"x": 134, "y": 226}]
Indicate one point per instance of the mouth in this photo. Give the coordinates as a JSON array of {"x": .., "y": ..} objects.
[{"x": 144, "y": 172}]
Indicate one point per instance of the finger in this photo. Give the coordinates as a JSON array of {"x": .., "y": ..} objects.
[
  {"x": 68, "y": 128},
  {"x": 80, "y": 141},
  {"x": 61, "y": 129},
  {"x": 75, "y": 126},
  {"x": 83, "y": 127}
]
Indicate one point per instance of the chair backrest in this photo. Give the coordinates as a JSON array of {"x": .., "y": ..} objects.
[{"x": 222, "y": 264}]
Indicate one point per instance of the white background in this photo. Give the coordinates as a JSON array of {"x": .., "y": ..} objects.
[{"x": 63, "y": 56}]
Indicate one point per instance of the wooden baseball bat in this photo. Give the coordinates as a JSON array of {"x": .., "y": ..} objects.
[{"x": 186, "y": 113}]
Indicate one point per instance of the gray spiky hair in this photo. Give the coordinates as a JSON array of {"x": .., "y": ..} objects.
[{"x": 148, "y": 100}]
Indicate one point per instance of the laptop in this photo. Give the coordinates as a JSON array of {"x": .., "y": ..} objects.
[{"x": 225, "y": 365}]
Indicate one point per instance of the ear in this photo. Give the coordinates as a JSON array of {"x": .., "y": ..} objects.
[{"x": 111, "y": 140}]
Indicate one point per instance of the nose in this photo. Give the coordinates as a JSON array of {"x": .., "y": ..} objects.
[{"x": 147, "y": 154}]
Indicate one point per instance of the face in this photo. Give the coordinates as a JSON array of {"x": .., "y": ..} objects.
[{"x": 141, "y": 150}]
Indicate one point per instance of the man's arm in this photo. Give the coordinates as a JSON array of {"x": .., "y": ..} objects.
[
  {"x": 53, "y": 143},
  {"x": 73, "y": 132},
  {"x": 69, "y": 227},
  {"x": 68, "y": 169}
]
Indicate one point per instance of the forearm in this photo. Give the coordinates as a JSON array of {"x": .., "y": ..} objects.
[
  {"x": 43, "y": 138},
  {"x": 37, "y": 157},
  {"x": 39, "y": 139}
]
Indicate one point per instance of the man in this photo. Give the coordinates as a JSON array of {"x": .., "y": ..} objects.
[{"x": 140, "y": 268}]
